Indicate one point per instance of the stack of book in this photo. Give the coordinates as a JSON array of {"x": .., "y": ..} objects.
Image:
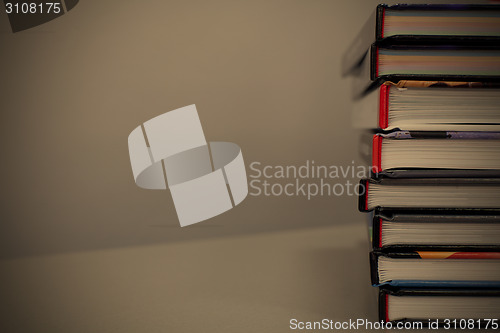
[{"x": 429, "y": 88}]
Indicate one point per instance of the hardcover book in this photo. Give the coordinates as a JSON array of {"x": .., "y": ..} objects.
[
  {"x": 436, "y": 269},
  {"x": 436, "y": 154},
  {"x": 438, "y": 230},
  {"x": 430, "y": 106},
  {"x": 430, "y": 193},
  {"x": 424, "y": 24},
  {"x": 446, "y": 306},
  {"x": 471, "y": 63}
]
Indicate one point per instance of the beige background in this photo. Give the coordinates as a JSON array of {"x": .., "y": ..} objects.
[{"x": 84, "y": 250}]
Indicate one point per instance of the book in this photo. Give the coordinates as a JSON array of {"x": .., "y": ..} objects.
[
  {"x": 394, "y": 63},
  {"x": 436, "y": 269},
  {"x": 430, "y": 193},
  {"x": 430, "y": 106},
  {"x": 424, "y": 24},
  {"x": 433, "y": 154},
  {"x": 435, "y": 230},
  {"x": 442, "y": 306}
]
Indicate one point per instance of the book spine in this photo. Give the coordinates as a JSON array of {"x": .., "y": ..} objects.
[
  {"x": 383, "y": 305},
  {"x": 380, "y": 22},
  {"x": 363, "y": 196},
  {"x": 383, "y": 118},
  {"x": 374, "y": 269},
  {"x": 374, "y": 62},
  {"x": 377, "y": 154}
]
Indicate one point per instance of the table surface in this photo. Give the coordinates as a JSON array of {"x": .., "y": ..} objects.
[{"x": 244, "y": 283}]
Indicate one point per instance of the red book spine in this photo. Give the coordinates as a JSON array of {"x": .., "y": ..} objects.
[
  {"x": 376, "y": 154},
  {"x": 383, "y": 115}
]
